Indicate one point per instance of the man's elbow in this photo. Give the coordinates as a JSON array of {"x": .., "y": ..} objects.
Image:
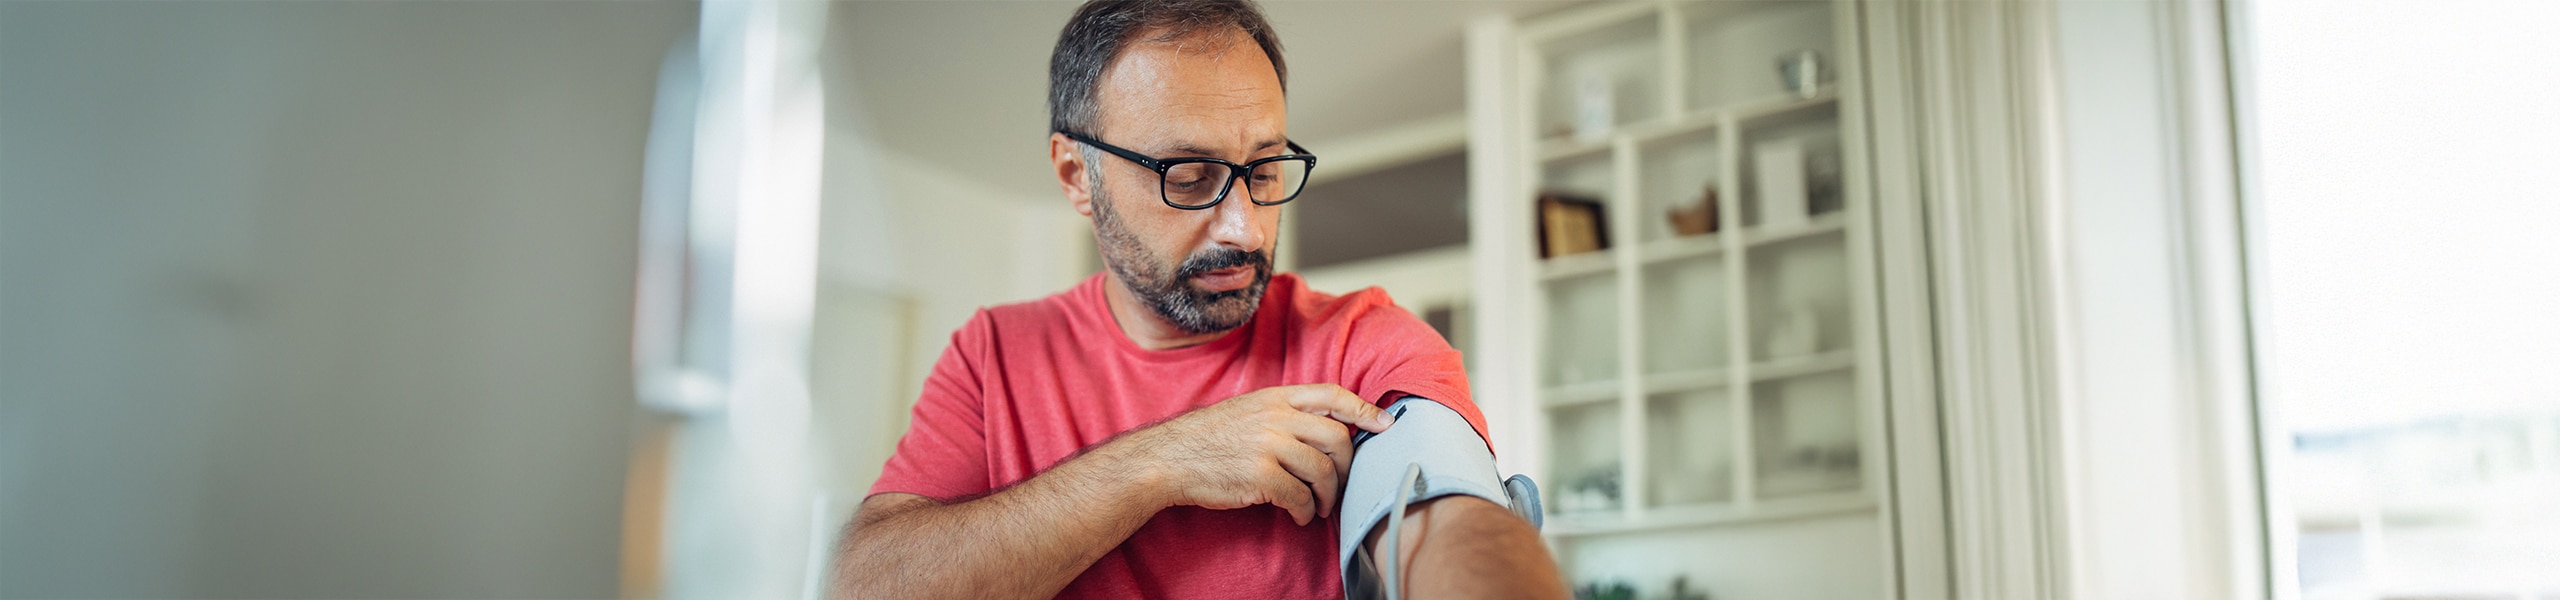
[
  {"x": 858, "y": 569},
  {"x": 846, "y": 567}
]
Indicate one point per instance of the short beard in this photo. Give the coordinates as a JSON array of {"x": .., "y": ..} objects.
[{"x": 1168, "y": 291}]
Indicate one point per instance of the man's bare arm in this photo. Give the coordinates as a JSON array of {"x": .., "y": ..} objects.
[
  {"x": 1469, "y": 547},
  {"x": 1284, "y": 446},
  {"x": 1458, "y": 535},
  {"x": 1042, "y": 534}
]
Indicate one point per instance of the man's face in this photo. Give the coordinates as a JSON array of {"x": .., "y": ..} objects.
[{"x": 1206, "y": 95}]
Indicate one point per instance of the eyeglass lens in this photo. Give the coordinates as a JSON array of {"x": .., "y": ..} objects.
[{"x": 1200, "y": 183}]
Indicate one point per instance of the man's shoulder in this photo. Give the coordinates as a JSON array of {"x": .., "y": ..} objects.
[
  {"x": 1046, "y": 314},
  {"x": 1320, "y": 311}
]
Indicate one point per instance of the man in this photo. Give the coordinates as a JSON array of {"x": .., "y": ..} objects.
[{"x": 1180, "y": 425}]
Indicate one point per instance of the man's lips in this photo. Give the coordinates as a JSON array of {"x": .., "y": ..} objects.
[{"x": 1228, "y": 279}]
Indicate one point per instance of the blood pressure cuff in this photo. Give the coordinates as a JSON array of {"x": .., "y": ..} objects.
[{"x": 1430, "y": 452}]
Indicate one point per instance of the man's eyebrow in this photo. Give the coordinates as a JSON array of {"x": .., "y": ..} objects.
[{"x": 1188, "y": 149}]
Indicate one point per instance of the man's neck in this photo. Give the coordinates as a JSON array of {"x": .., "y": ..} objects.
[{"x": 1143, "y": 326}]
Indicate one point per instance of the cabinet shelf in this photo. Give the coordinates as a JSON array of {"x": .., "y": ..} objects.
[
  {"x": 1690, "y": 380},
  {"x": 1755, "y": 113},
  {"x": 1686, "y": 247},
  {"x": 1696, "y": 246},
  {"x": 1576, "y": 265},
  {"x": 1799, "y": 366},
  {"x": 1766, "y": 112},
  {"x": 1578, "y": 394},
  {"x": 1822, "y": 224},
  {"x": 1663, "y": 518},
  {"x": 1667, "y": 390},
  {"x": 1686, "y": 380},
  {"x": 1567, "y": 148}
]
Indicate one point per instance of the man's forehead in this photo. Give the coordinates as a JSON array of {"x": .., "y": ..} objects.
[
  {"x": 1187, "y": 92},
  {"x": 1226, "y": 62},
  {"x": 1210, "y": 43}
]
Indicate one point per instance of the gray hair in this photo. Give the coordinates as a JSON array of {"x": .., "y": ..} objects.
[{"x": 1102, "y": 29}]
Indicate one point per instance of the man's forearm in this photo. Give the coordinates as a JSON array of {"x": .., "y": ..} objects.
[{"x": 1026, "y": 541}]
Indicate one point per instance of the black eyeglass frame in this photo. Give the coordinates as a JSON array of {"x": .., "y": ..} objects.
[{"x": 1234, "y": 171}]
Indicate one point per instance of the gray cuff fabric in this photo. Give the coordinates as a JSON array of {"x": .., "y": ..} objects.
[{"x": 1451, "y": 458}]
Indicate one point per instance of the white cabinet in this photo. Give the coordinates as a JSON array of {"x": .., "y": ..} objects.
[{"x": 1700, "y": 405}]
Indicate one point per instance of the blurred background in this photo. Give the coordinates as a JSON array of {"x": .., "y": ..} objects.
[{"x": 589, "y": 299}]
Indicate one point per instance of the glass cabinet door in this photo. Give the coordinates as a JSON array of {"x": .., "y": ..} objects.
[{"x": 1699, "y": 337}]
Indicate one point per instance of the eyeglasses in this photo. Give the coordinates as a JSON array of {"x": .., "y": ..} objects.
[{"x": 1194, "y": 183}]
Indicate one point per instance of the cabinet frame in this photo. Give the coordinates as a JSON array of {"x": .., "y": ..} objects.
[{"x": 1507, "y": 79}]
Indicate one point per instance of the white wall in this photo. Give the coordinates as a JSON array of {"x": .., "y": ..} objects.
[
  {"x": 2158, "y": 463},
  {"x": 2131, "y": 382},
  {"x": 917, "y": 247},
  {"x": 318, "y": 299},
  {"x": 960, "y": 244},
  {"x": 907, "y": 254}
]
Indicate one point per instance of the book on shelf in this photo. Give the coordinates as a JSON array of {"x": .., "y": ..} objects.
[{"x": 1569, "y": 224}]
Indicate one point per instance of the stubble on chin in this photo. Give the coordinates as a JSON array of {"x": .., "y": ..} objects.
[{"x": 1169, "y": 292}]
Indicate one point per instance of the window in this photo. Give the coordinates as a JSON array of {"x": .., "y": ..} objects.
[{"x": 2410, "y": 246}]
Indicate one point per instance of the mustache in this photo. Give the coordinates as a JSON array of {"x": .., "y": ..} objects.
[{"x": 1223, "y": 259}]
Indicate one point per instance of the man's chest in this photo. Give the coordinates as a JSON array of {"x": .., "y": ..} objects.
[{"x": 1038, "y": 415}]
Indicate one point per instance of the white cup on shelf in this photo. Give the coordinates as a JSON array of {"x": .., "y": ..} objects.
[
  {"x": 1595, "y": 105},
  {"x": 1778, "y": 170}
]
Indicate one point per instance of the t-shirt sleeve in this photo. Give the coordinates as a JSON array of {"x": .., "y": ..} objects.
[
  {"x": 1392, "y": 354},
  {"x": 943, "y": 456}
]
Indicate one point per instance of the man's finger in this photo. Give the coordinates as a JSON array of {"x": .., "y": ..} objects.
[
  {"x": 1289, "y": 494},
  {"x": 1341, "y": 405},
  {"x": 1314, "y": 470},
  {"x": 1325, "y": 435}
]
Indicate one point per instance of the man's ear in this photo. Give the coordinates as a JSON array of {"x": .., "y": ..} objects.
[{"x": 1065, "y": 158}]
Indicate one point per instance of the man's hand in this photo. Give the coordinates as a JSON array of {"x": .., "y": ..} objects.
[{"x": 1284, "y": 446}]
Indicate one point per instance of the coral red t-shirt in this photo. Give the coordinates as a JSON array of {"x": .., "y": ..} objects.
[{"x": 1024, "y": 386}]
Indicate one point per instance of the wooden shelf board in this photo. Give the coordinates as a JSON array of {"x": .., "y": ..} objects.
[
  {"x": 1697, "y": 246},
  {"x": 1678, "y": 125},
  {"x": 1566, "y": 149},
  {"x": 1711, "y": 10},
  {"x": 1709, "y": 515},
  {"x": 1799, "y": 366},
  {"x": 1822, "y": 224},
  {"x": 1751, "y": 113},
  {"x": 1763, "y": 111},
  {"x": 1690, "y": 380},
  {"x": 1576, "y": 265},
  {"x": 1681, "y": 247},
  {"x": 1549, "y": 30},
  {"x": 1580, "y": 394}
]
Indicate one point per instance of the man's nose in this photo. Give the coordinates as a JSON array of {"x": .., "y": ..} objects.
[{"x": 1233, "y": 223}]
